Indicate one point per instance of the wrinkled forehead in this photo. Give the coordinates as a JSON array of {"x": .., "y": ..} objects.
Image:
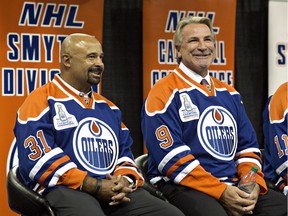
[{"x": 196, "y": 28}]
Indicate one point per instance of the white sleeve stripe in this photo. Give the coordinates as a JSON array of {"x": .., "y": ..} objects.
[
  {"x": 186, "y": 171},
  {"x": 248, "y": 150},
  {"x": 170, "y": 155},
  {"x": 285, "y": 190},
  {"x": 250, "y": 160},
  {"x": 279, "y": 180},
  {"x": 36, "y": 187},
  {"x": 282, "y": 167},
  {"x": 125, "y": 159},
  {"x": 41, "y": 191},
  {"x": 60, "y": 172},
  {"x": 42, "y": 161}
]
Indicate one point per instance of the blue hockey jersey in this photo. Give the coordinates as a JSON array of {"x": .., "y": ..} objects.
[
  {"x": 61, "y": 138},
  {"x": 198, "y": 135},
  {"x": 275, "y": 122}
]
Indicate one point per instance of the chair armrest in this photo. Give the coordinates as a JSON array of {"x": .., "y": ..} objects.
[{"x": 22, "y": 199}]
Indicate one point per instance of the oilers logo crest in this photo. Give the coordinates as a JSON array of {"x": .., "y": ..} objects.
[
  {"x": 95, "y": 146},
  {"x": 217, "y": 131}
]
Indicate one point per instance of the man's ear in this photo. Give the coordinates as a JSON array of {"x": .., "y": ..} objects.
[
  {"x": 66, "y": 60},
  {"x": 177, "y": 54}
]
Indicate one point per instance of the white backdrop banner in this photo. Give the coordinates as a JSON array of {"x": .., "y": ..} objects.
[{"x": 277, "y": 44}]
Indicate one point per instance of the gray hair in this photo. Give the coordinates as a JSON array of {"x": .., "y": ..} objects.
[{"x": 177, "y": 39}]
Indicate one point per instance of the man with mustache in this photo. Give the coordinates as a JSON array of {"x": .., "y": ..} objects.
[
  {"x": 199, "y": 138},
  {"x": 73, "y": 147}
]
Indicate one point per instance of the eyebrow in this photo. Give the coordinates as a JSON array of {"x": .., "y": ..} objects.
[{"x": 96, "y": 53}]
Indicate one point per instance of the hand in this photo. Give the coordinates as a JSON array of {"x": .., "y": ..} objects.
[
  {"x": 113, "y": 188},
  {"x": 253, "y": 197},
  {"x": 237, "y": 202},
  {"x": 105, "y": 193},
  {"x": 121, "y": 189}
]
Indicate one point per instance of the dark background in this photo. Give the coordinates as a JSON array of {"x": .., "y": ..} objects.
[{"x": 122, "y": 46}]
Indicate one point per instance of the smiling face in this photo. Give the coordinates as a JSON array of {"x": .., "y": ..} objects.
[
  {"x": 197, "y": 48},
  {"x": 82, "y": 64}
]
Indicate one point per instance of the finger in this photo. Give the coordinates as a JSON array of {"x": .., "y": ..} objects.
[
  {"x": 243, "y": 194},
  {"x": 118, "y": 196},
  {"x": 118, "y": 179},
  {"x": 118, "y": 187},
  {"x": 248, "y": 204},
  {"x": 125, "y": 199},
  {"x": 121, "y": 197},
  {"x": 126, "y": 190},
  {"x": 247, "y": 209},
  {"x": 121, "y": 189},
  {"x": 113, "y": 203},
  {"x": 108, "y": 176}
]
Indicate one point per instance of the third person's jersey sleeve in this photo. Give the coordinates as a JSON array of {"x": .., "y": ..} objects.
[{"x": 275, "y": 118}]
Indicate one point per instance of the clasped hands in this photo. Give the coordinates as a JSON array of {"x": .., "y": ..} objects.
[{"x": 114, "y": 189}]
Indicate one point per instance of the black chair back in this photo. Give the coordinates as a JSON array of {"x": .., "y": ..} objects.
[
  {"x": 142, "y": 163},
  {"x": 23, "y": 200}
]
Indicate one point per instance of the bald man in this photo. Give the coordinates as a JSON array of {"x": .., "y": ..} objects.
[{"x": 73, "y": 146}]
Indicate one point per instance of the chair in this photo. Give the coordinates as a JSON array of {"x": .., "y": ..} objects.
[
  {"x": 23, "y": 200},
  {"x": 269, "y": 184},
  {"x": 141, "y": 162}
]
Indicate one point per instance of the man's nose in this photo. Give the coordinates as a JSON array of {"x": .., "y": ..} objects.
[
  {"x": 202, "y": 44},
  {"x": 98, "y": 61}
]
